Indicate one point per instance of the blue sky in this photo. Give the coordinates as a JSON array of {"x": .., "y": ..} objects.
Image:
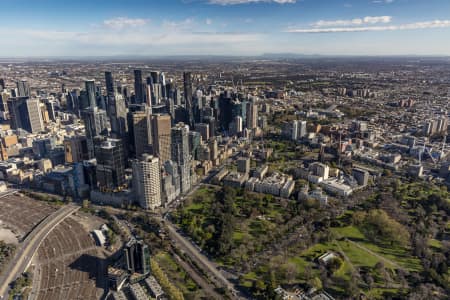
[{"x": 224, "y": 27}]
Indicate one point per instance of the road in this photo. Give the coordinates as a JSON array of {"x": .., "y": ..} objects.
[
  {"x": 199, "y": 280},
  {"x": 195, "y": 255},
  {"x": 23, "y": 256}
]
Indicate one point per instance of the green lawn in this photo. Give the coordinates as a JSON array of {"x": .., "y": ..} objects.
[{"x": 393, "y": 253}]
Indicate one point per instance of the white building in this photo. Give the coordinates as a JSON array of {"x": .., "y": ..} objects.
[{"x": 147, "y": 181}]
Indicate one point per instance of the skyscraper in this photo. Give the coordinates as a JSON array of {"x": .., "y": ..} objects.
[
  {"x": 252, "y": 115},
  {"x": 50, "y": 105},
  {"x": 139, "y": 90},
  {"x": 137, "y": 257},
  {"x": 147, "y": 181},
  {"x": 23, "y": 88},
  {"x": 95, "y": 123},
  {"x": 26, "y": 114},
  {"x": 203, "y": 128},
  {"x": 109, "y": 80},
  {"x": 116, "y": 109},
  {"x": 90, "y": 91},
  {"x": 2, "y": 84},
  {"x": 161, "y": 133},
  {"x": 141, "y": 131},
  {"x": 187, "y": 81},
  {"x": 180, "y": 154},
  {"x": 194, "y": 143},
  {"x": 110, "y": 169},
  {"x": 75, "y": 149},
  {"x": 294, "y": 133}
]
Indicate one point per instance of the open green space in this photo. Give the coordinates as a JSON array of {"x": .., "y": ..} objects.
[{"x": 177, "y": 275}]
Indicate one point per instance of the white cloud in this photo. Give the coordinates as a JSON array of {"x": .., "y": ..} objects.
[
  {"x": 353, "y": 22},
  {"x": 208, "y": 21},
  {"x": 124, "y": 22},
  {"x": 185, "y": 24},
  {"x": 382, "y": 1},
  {"x": 234, "y": 2},
  {"x": 409, "y": 26}
]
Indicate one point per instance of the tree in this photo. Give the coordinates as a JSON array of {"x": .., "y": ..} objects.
[
  {"x": 315, "y": 283},
  {"x": 379, "y": 226}
]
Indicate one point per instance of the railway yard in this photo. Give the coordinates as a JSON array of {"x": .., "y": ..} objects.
[{"x": 68, "y": 264}]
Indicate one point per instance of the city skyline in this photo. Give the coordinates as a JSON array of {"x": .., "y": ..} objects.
[{"x": 224, "y": 27}]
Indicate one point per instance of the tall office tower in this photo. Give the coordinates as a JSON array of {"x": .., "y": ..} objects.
[
  {"x": 116, "y": 109},
  {"x": 139, "y": 91},
  {"x": 203, "y": 129},
  {"x": 195, "y": 139},
  {"x": 170, "y": 107},
  {"x": 187, "y": 81},
  {"x": 171, "y": 186},
  {"x": 109, "y": 80},
  {"x": 110, "y": 169},
  {"x": 252, "y": 115},
  {"x": 147, "y": 181},
  {"x": 262, "y": 122},
  {"x": 23, "y": 88},
  {"x": 206, "y": 112},
  {"x": 180, "y": 154},
  {"x": 225, "y": 116},
  {"x": 50, "y": 105},
  {"x": 73, "y": 101},
  {"x": 75, "y": 149},
  {"x": 302, "y": 129},
  {"x": 155, "y": 76},
  {"x": 162, "y": 81},
  {"x": 2, "y": 84},
  {"x": 141, "y": 131},
  {"x": 117, "y": 113},
  {"x": 239, "y": 124},
  {"x": 213, "y": 148},
  {"x": 153, "y": 91},
  {"x": 90, "y": 93},
  {"x": 4, "y": 96},
  {"x": 44, "y": 113},
  {"x": 34, "y": 115},
  {"x": 26, "y": 114},
  {"x": 294, "y": 130},
  {"x": 137, "y": 257},
  {"x": 211, "y": 121},
  {"x": 95, "y": 123},
  {"x": 161, "y": 134}
]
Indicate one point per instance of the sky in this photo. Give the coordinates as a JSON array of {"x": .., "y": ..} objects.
[{"x": 223, "y": 27}]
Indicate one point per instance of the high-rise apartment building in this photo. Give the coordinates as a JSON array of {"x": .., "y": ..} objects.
[
  {"x": 180, "y": 154},
  {"x": 147, "y": 181}
]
